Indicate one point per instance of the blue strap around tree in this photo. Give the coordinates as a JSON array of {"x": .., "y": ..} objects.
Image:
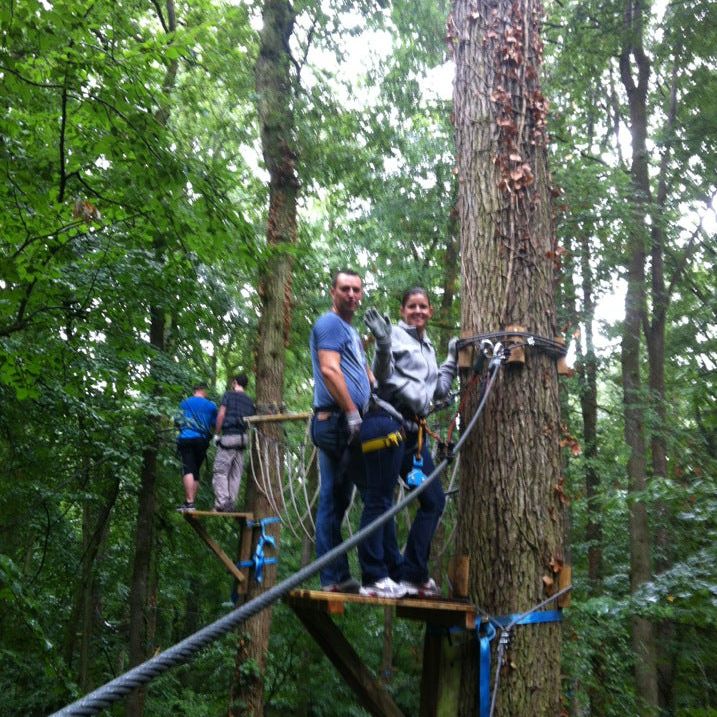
[{"x": 485, "y": 632}]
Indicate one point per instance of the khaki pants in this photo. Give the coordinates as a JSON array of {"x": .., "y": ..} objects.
[{"x": 228, "y": 466}]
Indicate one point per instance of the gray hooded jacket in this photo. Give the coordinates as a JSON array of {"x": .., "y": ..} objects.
[{"x": 408, "y": 375}]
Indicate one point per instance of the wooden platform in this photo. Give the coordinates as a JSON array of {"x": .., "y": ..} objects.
[
  {"x": 437, "y": 611},
  {"x": 442, "y": 654},
  {"x": 216, "y": 514}
]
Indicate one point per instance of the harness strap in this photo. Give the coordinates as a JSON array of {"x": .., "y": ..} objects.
[{"x": 378, "y": 444}]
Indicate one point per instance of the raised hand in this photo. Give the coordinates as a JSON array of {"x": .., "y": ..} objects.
[{"x": 379, "y": 326}]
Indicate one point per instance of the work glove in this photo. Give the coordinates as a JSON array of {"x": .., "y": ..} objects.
[
  {"x": 379, "y": 326},
  {"x": 353, "y": 425},
  {"x": 453, "y": 350}
]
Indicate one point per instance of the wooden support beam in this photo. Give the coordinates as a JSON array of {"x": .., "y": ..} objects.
[
  {"x": 192, "y": 518},
  {"x": 466, "y": 355},
  {"x": 515, "y": 344},
  {"x": 443, "y": 655},
  {"x": 371, "y": 694}
]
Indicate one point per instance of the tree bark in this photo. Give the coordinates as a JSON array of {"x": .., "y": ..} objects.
[
  {"x": 588, "y": 410},
  {"x": 633, "y": 58},
  {"x": 140, "y": 609},
  {"x": 510, "y": 514},
  {"x": 274, "y": 102},
  {"x": 142, "y": 597},
  {"x": 82, "y": 621}
]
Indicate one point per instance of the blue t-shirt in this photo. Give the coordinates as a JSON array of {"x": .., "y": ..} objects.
[
  {"x": 198, "y": 418},
  {"x": 332, "y": 333}
]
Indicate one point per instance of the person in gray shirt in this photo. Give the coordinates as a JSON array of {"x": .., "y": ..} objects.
[{"x": 409, "y": 379}]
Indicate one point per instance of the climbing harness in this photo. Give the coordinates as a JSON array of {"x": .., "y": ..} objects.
[
  {"x": 260, "y": 560},
  {"x": 378, "y": 444}
]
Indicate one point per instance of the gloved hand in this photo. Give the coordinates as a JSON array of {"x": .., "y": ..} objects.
[
  {"x": 453, "y": 349},
  {"x": 215, "y": 440},
  {"x": 379, "y": 326},
  {"x": 353, "y": 424}
]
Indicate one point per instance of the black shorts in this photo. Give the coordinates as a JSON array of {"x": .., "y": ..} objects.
[{"x": 192, "y": 452}]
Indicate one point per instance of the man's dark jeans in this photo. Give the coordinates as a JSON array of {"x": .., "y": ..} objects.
[{"x": 340, "y": 466}]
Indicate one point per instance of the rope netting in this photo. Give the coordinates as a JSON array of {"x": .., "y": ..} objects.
[{"x": 294, "y": 498}]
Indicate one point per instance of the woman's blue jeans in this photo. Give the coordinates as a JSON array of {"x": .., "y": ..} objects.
[{"x": 431, "y": 504}]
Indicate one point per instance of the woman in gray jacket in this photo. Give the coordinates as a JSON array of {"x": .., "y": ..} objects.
[{"x": 409, "y": 379}]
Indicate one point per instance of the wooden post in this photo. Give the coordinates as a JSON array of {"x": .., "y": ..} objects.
[
  {"x": 563, "y": 368},
  {"x": 515, "y": 344},
  {"x": 465, "y": 355},
  {"x": 565, "y": 578},
  {"x": 458, "y": 572},
  {"x": 443, "y": 655}
]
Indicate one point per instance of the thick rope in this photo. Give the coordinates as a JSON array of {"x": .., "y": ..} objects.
[{"x": 182, "y": 652}]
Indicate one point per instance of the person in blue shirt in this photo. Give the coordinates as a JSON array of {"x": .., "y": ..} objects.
[
  {"x": 196, "y": 421},
  {"x": 342, "y": 387}
]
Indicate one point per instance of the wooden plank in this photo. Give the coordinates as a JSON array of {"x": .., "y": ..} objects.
[
  {"x": 437, "y": 611},
  {"x": 217, "y": 514},
  {"x": 371, "y": 694},
  {"x": 440, "y": 618},
  {"x": 213, "y": 546},
  {"x": 271, "y": 417}
]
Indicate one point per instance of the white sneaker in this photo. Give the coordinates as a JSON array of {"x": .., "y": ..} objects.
[
  {"x": 385, "y": 588},
  {"x": 427, "y": 589}
]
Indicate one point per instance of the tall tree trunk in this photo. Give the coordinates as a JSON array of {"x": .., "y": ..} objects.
[
  {"x": 140, "y": 608},
  {"x": 142, "y": 596},
  {"x": 274, "y": 101},
  {"x": 655, "y": 337},
  {"x": 82, "y": 621},
  {"x": 510, "y": 512},
  {"x": 589, "y": 409},
  {"x": 634, "y": 61},
  {"x": 449, "y": 282}
]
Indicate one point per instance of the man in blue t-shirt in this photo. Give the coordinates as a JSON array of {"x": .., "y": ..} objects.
[
  {"x": 196, "y": 423},
  {"x": 342, "y": 387}
]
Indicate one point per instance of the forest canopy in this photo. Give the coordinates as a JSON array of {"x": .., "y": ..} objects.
[{"x": 138, "y": 149}]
